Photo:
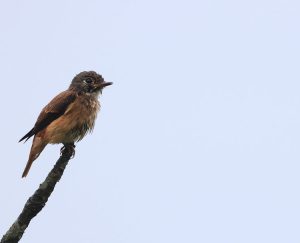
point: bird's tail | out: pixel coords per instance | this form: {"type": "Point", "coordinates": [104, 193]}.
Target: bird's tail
{"type": "Point", "coordinates": [36, 149]}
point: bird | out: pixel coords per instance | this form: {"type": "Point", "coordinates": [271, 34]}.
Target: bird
{"type": "Point", "coordinates": [68, 117]}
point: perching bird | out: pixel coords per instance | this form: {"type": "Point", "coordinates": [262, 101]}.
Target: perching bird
{"type": "Point", "coordinates": [68, 117]}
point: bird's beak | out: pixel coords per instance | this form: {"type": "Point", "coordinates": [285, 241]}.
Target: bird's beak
{"type": "Point", "coordinates": [104, 84]}
{"type": "Point", "coordinates": [100, 86]}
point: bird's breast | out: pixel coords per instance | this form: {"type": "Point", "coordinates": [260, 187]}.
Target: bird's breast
{"type": "Point", "coordinates": [74, 124]}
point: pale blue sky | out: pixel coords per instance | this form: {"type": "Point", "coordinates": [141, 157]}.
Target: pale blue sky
{"type": "Point", "coordinates": [198, 139]}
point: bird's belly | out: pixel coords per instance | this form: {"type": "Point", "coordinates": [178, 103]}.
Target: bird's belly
{"type": "Point", "coordinates": [72, 126]}
{"type": "Point", "coordinates": [66, 132]}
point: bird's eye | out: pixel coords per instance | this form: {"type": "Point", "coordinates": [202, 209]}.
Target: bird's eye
{"type": "Point", "coordinates": [88, 80]}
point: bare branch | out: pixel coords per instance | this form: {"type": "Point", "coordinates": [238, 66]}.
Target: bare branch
{"type": "Point", "coordinates": [38, 200]}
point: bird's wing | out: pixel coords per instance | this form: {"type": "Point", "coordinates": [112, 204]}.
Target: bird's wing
{"type": "Point", "coordinates": [57, 107]}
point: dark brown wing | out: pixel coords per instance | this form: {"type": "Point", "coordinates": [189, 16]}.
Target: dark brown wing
{"type": "Point", "coordinates": [57, 107]}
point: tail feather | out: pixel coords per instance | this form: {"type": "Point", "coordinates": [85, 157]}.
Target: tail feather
{"type": "Point", "coordinates": [36, 149]}
{"type": "Point", "coordinates": [27, 168]}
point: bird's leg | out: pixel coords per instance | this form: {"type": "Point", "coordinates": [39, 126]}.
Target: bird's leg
{"type": "Point", "coordinates": [68, 148]}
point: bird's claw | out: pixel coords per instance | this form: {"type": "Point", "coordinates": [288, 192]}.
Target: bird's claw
{"type": "Point", "coordinates": [68, 149]}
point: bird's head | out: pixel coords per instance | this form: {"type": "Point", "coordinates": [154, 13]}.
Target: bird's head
{"type": "Point", "coordinates": [88, 82]}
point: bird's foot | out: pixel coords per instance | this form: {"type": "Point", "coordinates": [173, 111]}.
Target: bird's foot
{"type": "Point", "coordinates": [68, 149]}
